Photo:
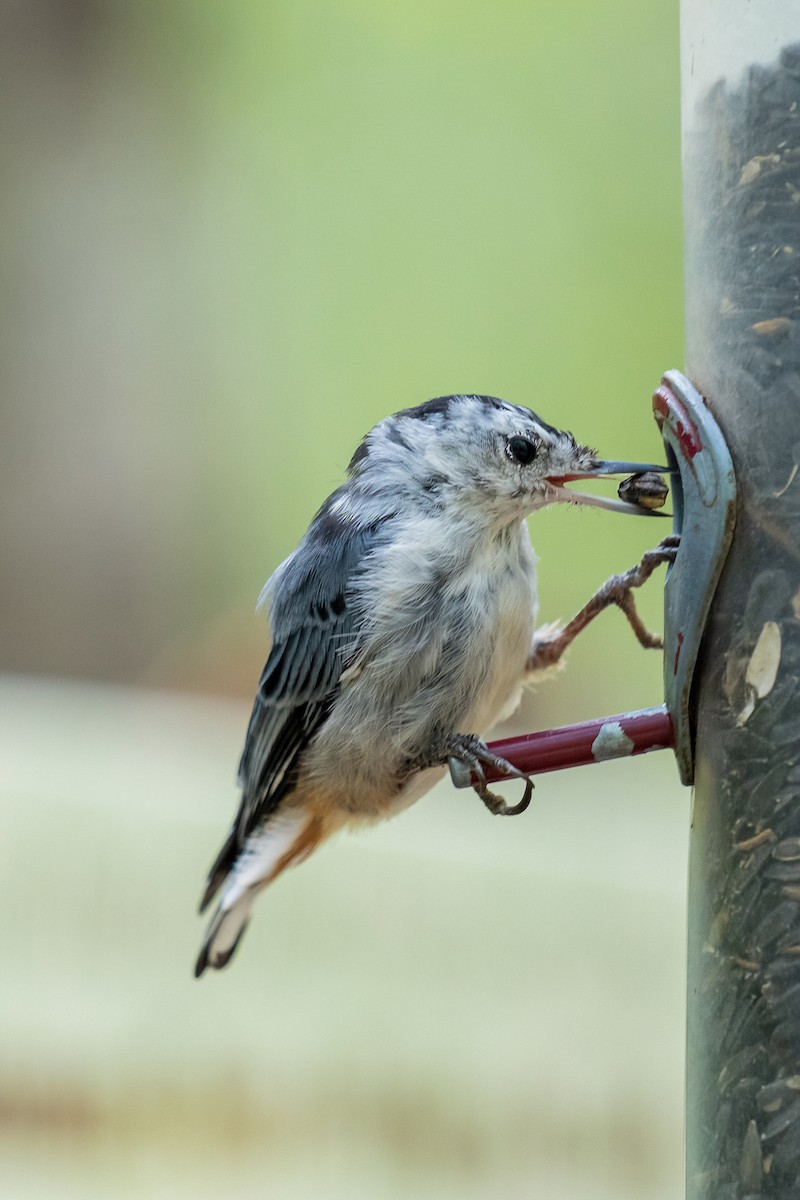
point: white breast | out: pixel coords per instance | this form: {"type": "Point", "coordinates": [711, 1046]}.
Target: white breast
{"type": "Point", "coordinates": [505, 590]}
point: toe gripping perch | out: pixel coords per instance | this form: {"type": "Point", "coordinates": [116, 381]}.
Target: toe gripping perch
{"type": "Point", "coordinates": [704, 503]}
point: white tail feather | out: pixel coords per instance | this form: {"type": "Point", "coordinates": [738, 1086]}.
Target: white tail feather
{"type": "Point", "coordinates": [262, 852]}
{"type": "Point", "coordinates": [225, 929]}
{"type": "Point", "coordinates": [257, 864]}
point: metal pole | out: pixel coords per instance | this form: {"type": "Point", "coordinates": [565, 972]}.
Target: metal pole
{"type": "Point", "coordinates": [741, 131]}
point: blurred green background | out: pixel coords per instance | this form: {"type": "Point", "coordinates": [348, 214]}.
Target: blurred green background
{"type": "Point", "coordinates": [233, 238]}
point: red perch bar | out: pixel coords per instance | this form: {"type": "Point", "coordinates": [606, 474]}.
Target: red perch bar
{"type": "Point", "coordinates": [590, 741]}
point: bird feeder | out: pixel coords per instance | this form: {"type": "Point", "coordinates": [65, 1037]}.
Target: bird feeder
{"type": "Point", "coordinates": [741, 171]}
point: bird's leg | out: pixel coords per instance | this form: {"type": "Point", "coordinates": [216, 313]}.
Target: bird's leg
{"type": "Point", "coordinates": [547, 650]}
{"type": "Point", "coordinates": [469, 749]}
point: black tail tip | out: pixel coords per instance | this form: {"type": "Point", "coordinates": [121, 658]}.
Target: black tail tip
{"type": "Point", "coordinates": [221, 960]}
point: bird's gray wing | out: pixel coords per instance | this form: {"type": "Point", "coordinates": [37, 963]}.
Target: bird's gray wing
{"type": "Point", "coordinates": [315, 638]}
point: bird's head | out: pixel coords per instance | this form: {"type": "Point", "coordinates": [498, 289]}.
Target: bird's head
{"type": "Point", "coordinates": [480, 454]}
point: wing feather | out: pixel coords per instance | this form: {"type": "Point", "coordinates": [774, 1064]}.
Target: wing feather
{"type": "Point", "coordinates": [314, 627]}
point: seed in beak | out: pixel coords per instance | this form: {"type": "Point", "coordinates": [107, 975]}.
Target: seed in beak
{"type": "Point", "coordinates": [645, 490]}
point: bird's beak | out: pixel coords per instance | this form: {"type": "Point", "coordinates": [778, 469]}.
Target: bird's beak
{"type": "Point", "coordinates": [598, 468]}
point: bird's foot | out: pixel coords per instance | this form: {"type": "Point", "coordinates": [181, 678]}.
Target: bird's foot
{"type": "Point", "coordinates": [471, 751]}
{"type": "Point", "coordinates": [619, 589]}
{"type": "Point", "coordinates": [548, 647]}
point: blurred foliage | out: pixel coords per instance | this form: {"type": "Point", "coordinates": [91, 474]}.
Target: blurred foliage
{"type": "Point", "coordinates": [236, 236]}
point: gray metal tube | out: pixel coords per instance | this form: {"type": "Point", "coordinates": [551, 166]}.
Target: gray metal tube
{"type": "Point", "coordinates": [741, 129]}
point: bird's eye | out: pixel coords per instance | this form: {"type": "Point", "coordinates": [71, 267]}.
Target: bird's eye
{"type": "Point", "coordinates": [520, 450]}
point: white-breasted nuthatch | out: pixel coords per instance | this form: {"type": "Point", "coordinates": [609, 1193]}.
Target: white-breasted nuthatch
{"type": "Point", "coordinates": [402, 628]}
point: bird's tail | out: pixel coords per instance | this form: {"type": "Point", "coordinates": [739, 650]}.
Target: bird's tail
{"type": "Point", "coordinates": [288, 837]}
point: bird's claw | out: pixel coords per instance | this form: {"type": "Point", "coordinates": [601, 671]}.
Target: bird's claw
{"type": "Point", "coordinates": [665, 552]}
{"type": "Point", "coordinates": [497, 805]}
{"type": "Point", "coordinates": [474, 753]}
{"type": "Point", "coordinates": [619, 589]}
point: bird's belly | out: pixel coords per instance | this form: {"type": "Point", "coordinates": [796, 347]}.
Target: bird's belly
{"type": "Point", "coordinates": [499, 696]}
{"type": "Point", "coordinates": [506, 633]}
{"type": "Point", "coordinates": [490, 692]}
{"type": "Point", "coordinates": [396, 711]}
